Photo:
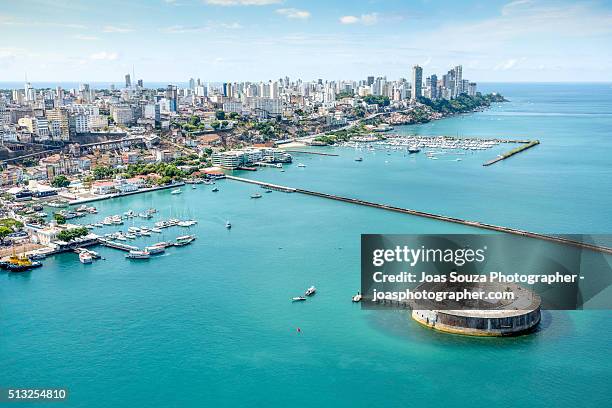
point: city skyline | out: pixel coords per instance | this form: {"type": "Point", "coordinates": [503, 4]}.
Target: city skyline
{"type": "Point", "coordinates": [241, 40]}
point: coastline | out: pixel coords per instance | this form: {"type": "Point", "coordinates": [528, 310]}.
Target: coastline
{"type": "Point", "coordinates": [116, 195]}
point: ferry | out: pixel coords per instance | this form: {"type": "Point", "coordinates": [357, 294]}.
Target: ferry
{"type": "Point", "coordinates": [228, 225]}
{"type": "Point", "coordinates": [256, 195]}
{"type": "Point", "coordinates": [184, 240]}
{"type": "Point", "coordinates": [134, 254]}
{"type": "Point", "coordinates": [310, 291]}
{"type": "Point", "coordinates": [156, 249]}
{"type": "Point", "coordinates": [298, 299]}
{"type": "Point", "coordinates": [85, 257]}
{"type": "Point", "coordinates": [176, 191]}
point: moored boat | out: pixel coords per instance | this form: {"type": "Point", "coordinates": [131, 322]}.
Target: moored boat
{"type": "Point", "coordinates": [135, 254]}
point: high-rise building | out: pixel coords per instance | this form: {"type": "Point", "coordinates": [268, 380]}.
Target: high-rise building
{"type": "Point", "coordinates": [140, 84]}
{"type": "Point", "coordinates": [459, 80]}
{"type": "Point", "coordinates": [192, 84]}
{"type": "Point", "coordinates": [172, 96]}
{"type": "Point", "coordinates": [433, 86]}
{"type": "Point", "coordinates": [417, 82]}
{"type": "Point", "coordinates": [370, 80]}
{"type": "Point", "coordinates": [128, 81]}
{"type": "Point", "coordinates": [30, 94]}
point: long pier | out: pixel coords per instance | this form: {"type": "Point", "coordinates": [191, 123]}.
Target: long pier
{"type": "Point", "coordinates": [475, 224]}
{"type": "Point", "coordinates": [317, 153]}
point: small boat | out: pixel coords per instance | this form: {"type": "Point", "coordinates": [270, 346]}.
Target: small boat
{"type": "Point", "coordinates": [359, 159]}
{"type": "Point", "coordinates": [120, 237]}
{"type": "Point", "coordinates": [98, 225]}
{"type": "Point", "coordinates": [156, 230]}
{"type": "Point", "coordinates": [176, 191]}
{"type": "Point", "coordinates": [228, 225]}
{"type": "Point", "coordinates": [193, 187]}
{"type": "Point", "coordinates": [184, 240]}
{"type": "Point", "coordinates": [130, 236]}
{"type": "Point", "coordinates": [268, 191]}
{"type": "Point", "coordinates": [145, 233]}
{"type": "Point", "coordinates": [214, 190]}
{"type": "Point", "coordinates": [35, 257]}
{"type": "Point", "coordinates": [310, 291]}
{"type": "Point", "coordinates": [357, 298]}
{"type": "Point", "coordinates": [155, 249]}
{"type": "Point", "coordinates": [85, 257]}
{"type": "Point", "coordinates": [301, 165]}
{"type": "Point", "coordinates": [134, 254]}
{"type": "Point", "coordinates": [298, 299]}
{"type": "Point", "coordinates": [145, 214]}
{"type": "Point", "coordinates": [256, 195]}
{"type": "Point", "coordinates": [133, 229]}
{"type": "Point", "coordinates": [413, 149]}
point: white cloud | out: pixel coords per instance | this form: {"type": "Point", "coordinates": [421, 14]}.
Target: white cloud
{"type": "Point", "coordinates": [180, 29]}
{"type": "Point", "coordinates": [86, 37]}
{"type": "Point", "coordinates": [294, 13]}
{"type": "Point", "coordinates": [242, 2]}
{"type": "Point", "coordinates": [116, 29]}
{"type": "Point", "coordinates": [104, 56]}
{"type": "Point", "coordinates": [365, 19]}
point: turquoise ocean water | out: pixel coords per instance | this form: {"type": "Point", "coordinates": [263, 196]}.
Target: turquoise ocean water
{"type": "Point", "coordinates": [212, 325]}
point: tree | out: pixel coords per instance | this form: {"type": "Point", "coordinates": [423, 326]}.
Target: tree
{"type": "Point", "coordinates": [102, 172]}
{"type": "Point", "coordinates": [216, 125]}
{"type": "Point", "coordinates": [4, 231]}
{"type": "Point", "coordinates": [220, 115]}
{"type": "Point", "coordinates": [59, 218]}
{"type": "Point", "coordinates": [60, 181]}
{"type": "Point", "coordinates": [71, 234]}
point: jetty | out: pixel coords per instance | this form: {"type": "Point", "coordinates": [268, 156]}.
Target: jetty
{"type": "Point", "coordinates": [475, 224]}
{"type": "Point", "coordinates": [512, 152]}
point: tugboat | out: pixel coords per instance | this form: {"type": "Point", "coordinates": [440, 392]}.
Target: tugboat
{"type": "Point", "coordinates": [310, 291]}
{"type": "Point", "coordinates": [20, 263]}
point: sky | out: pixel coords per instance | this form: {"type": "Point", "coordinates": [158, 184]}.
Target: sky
{"type": "Point", "coordinates": [240, 40]}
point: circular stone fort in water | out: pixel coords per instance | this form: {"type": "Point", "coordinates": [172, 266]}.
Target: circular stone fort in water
{"type": "Point", "coordinates": [481, 318]}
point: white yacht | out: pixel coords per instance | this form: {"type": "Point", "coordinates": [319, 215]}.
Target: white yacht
{"type": "Point", "coordinates": [176, 191]}
{"type": "Point", "coordinates": [310, 291]}
{"type": "Point", "coordinates": [85, 257]}
{"type": "Point", "coordinates": [138, 254]}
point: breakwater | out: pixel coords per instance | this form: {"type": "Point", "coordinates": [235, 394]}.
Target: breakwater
{"type": "Point", "coordinates": [512, 152]}
{"type": "Point", "coordinates": [475, 224]}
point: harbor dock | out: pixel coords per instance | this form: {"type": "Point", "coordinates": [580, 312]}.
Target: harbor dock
{"type": "Point", "coordinates": [475, 224]}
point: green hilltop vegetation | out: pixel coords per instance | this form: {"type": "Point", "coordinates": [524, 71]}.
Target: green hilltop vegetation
{"type": "Point", "coordinates": [462, 103]}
